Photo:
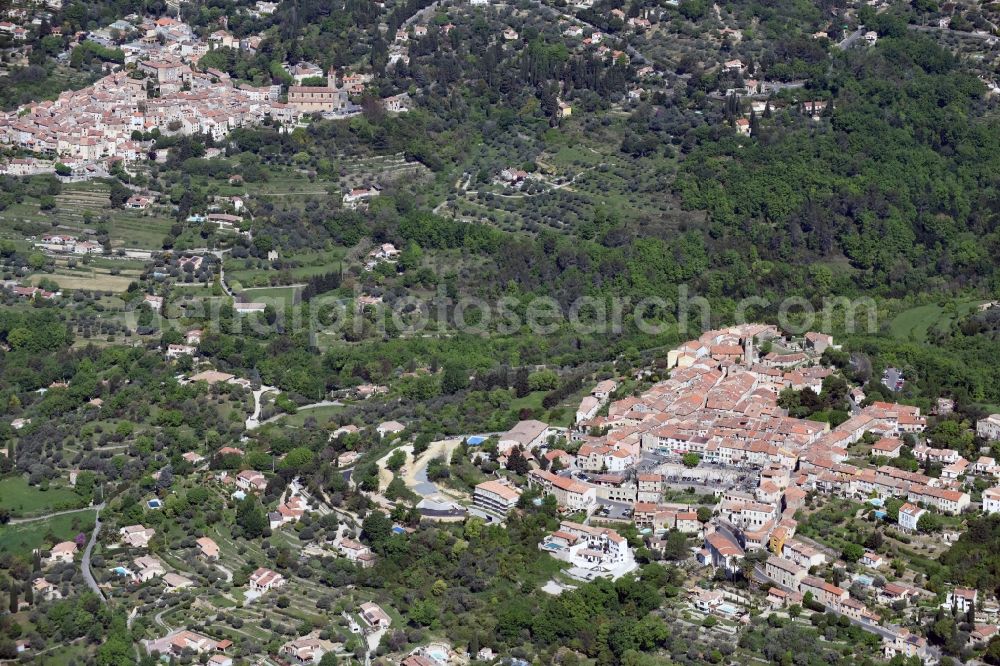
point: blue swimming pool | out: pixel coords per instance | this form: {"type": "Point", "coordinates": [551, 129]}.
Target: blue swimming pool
{"type": "Point", "coordinates": [438, 655]}
{"type": "Point", "coordinates": [728, 609]}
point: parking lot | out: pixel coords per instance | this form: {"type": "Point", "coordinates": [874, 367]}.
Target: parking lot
{"type": "Point", "coordinates": [609, 510]}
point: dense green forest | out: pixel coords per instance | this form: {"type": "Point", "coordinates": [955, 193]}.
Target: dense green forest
{"type": "Point", "coordinates": [902, 182]}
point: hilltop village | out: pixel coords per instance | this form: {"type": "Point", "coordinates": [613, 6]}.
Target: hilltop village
{"type": "Point", "coordinates": [717, 423]}
{"type": "Point", "coordinates": [162, 91]}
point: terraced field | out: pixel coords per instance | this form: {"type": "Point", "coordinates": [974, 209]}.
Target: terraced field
{"type": "Point", "coordinates": [133, 229]}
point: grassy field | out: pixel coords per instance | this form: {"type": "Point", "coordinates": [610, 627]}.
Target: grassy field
{"type": "Point", "coordinates": [24, 500]}
{"type": "Point", "coordinates": [93, 277]}
{"type": "Point", "coordinates": [321, 414]}
{"type": "Point", "coordinates": [307, 265]}
{"type": "Point", "coordinates": [277, 296]}
{"type": "Point", "coordinates": [532, 401]}
{"type": "Point", "coordinates": [23, 538]}
{"type": "Point", "coordinates": [915, 323]}
{"type": "Point", "coordinates": [562, 414]}
{"type": "Point", "coordinates": [64, 655]}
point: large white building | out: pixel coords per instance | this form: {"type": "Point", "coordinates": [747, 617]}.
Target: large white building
{"type": "Point", "coordinates": [588, 408]}
{"type": "Point", "coordinates": [909, 516]}
{"type": "Point", "coordinates": [598, 549]}
{"type": "Point", "coordinates": [526, 434]}
{"type": "Point", "coordinates": [991, 500]}
{"type": "Point", "coordinates": [962, 599]}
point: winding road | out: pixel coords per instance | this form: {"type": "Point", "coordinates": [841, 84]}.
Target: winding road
{"type": "Point", "coordinates": [848, 41]}
{"type": "Point", "coordinates": [158, 619]}
{"type": "Point", "coordinates": [88, 575]}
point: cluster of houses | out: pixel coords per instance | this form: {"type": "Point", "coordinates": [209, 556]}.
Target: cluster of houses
{"type": "Point", "coordinates": [599, 396]}
{"type": "Point", "coordinates": [97, 123]}
{"type": "Point", "coordinates": [167, 91]}
{"type": "Point", "coordinates": [720, 403]}
{"type": "Point", "coordinates": [183, 642]}
{"type": "Point", "coordinates": [148, 567]}
{"type": "Point", "coordinates": [43, 589]}
{"type": "Point", "coordinates": [29, 292]}
{"type": "Point", "coordinates": [63, 244]}
{"type": "Point", "coordinates": [287, 512]}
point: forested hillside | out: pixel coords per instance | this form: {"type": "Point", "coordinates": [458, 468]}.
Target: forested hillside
{"type": "Point", "coordinates": [902, 182]}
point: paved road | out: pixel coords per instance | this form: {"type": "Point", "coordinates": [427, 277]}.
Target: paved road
{"type": "Point", "coordinates": [429, 9]}
{"type": "Point", "coordinates": [417, 479]}
{"type": "Point", "coordinates": [848, 41]}
{"type": "Point", "coordinates": [222, 271]}
{"type": "Point", "coordinates": [158, 619]}
{"type": "Point", "coordinates": [88, 575]}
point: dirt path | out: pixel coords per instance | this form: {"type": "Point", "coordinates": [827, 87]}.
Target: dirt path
{"type": "Point", "coordinates": [303, 408]}
{"type": "Point", "coordinates": [31, 519]}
